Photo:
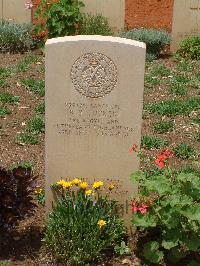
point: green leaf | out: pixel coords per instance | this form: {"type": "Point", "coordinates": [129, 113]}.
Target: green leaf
{"type": "Point", "coordinates": [146, 220]}
{"type": "Point", "coordinates": [152, 252]}
{"type": "Point", "coordinates": [176, 254]}
{"type": "Point", "coordinates": [168, 244]}
{"type": "Point", "coordinates": [137, 176]}
{"type": "Point", "coordinates": [192, 212]}
{"type": "Point", "coordinates": [193, 263]}
{"type": "Point", "coordinates": [193, 243]}
{"type": "Point", "coordinates": [171, 238]}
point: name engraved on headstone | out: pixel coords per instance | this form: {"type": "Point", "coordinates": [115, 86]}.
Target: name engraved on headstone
{"type": "Point", "coordinates": [99, 119]}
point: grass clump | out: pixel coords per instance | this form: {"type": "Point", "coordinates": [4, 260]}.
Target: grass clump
{"type": "Point", "coordinates": [95, 25]}
{"type": "Point", "coordinates": [179, 90]}
{"type": "Point", "coordinates": [151, 81]}
{"type": "Point", "coordinates": [174, 107]}
{"type": "Point", "coordinates": [15, 37]}
{"type": "Point", "coordinates": [40, 109]}
{"type": "Point", "coordinates": [4, 111]}
{"type": "Point", "coordinates": [25, 63]}
{"type": "Point", "coordinates": [6, 97]}
{"type": "Point", "coordinates": [184, 65]}
{"type": "Point", "coordinates": [160, 70]}
{"type": "Point", "coordinates": [150, 142]}
{"type": "Point", "coordinates": [184, 151]}
{"type": "Point", "coordinates": [180, 79]}
{"type": "Point", "coordinates": [36, 125]}
{"type": "Point", "coordinates": [31, 135]}
{"type": "Point", "coordinates": [36, 86]}
{"type": "Point", "coordinates": [5, 72]}
{"type": "Point", "coordinates": [196, 120]}
{"type": "Point", "coordinates": [163, 127]}
{"type": "Point", "coordinates": [3, 83]}
{"type": "Point", "coordinates": [27, 138]}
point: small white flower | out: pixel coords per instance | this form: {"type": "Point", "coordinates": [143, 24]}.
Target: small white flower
{"type": "Point", "coordinates": [28, 5]}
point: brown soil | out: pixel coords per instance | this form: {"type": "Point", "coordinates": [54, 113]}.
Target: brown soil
{"type": "Point", "coordinates": [23, 245]}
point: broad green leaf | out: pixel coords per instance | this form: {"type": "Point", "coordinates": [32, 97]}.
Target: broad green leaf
{"type": "Point", "coordinates": [137, 176]}
{"type": "Point", "coordinates": [146, 220]}
{"type": "Point", "coordinates": [168, 244]}
{"type": "Point", "coordinates": [152, 252]}
{"type": "Point", "coordinates": [192, 212]}
{"type": "Point", "coordinates": [193, 243]}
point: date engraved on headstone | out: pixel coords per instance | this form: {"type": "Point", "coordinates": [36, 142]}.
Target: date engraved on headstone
{"type": "Point", "coordinates": [94, 75]}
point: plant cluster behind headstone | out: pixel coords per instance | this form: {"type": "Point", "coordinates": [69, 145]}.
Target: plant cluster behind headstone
{"type": "Point", "coordinates": [156, 40]}
{"type": "Point", "coordinates": [15, 37]}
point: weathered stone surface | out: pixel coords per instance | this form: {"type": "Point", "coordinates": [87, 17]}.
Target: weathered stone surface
{"type": "Point", "coordinates": [15, 10]}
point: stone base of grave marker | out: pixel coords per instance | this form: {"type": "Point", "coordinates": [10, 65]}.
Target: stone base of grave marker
{"type": "Point", "coordinates": [94, 101]}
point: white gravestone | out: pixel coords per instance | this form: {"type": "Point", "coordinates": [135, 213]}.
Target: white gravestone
{"type": "Point", "coordinates": [94, 101]}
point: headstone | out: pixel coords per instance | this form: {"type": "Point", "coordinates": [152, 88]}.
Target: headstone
{"type": "Point", "coordinates": [94, 100]}
{"type": "Point", "coordinates": [186, 21]}
{"type": "Point", "coordinates": [15, 10]}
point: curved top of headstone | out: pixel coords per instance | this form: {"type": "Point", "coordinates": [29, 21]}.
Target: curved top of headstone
{"type": "Point", "coordinates": [95, 38]}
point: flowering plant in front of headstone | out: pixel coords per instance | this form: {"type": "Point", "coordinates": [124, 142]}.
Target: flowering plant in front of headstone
{"type": "Point", "coordinates": [167, 210]}
{"type": "Point", "coordinates": [84, 223]}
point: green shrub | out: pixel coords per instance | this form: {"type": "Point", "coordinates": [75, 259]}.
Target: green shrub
{"type": "Point", "coordinates": [190, 48]}
{"type": "Point", "coordinates": [155, 40]}
{"type": "Point", "coordinates": [62, 17]}
{"type": "Point", "coordinates": [83, 224]}
{"type": "Point", "coordinates": [95, 25]}
{"type": "Point", "coordinates": [167, 210]}
{"type": "Point", "coordinates": [15, 37]}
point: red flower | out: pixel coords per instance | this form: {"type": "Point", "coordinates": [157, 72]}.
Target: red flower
{"type": "Point", "coordinates": [160, 163]}
{"type": "Point", "coordinates": [161, 158]}
{"type": "Point", "coordinates": [133, 148]}
{"type": "Point", "coordinates": [168, 153]}
{"type": "Point", "coordinates": [134, 206]}
{"type": "Point", "coordinates": [143, 208]}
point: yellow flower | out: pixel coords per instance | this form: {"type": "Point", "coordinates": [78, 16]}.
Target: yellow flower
{"type": "Point", "coordinates": [61, 182]}
{"type": "Point", "coordinates": [97, 184]}
{"type": "Point", "coordinates": [83, 185]}
{"type": "Point", "coordinates": [76, 181]}
{"type": "Point", "coordinates": [101, 223]}
{"type": "Point", "coordinates": [88, 192]}
{"type": "Point", "coordinates": [38, 191]}
{"type": "Point", "coordinates": [111, 186]}
{"type": "Point", "coordinates": [64, 184]}
{"type": "Point", "coordinates": [67, 185]}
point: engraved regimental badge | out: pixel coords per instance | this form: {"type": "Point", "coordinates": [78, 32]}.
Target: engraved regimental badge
{"type": "Point", "coordinates": [94, 75]}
